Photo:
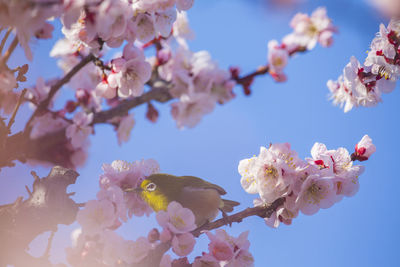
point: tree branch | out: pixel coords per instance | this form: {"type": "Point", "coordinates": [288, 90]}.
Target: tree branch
{"type": "Point", "coordinates": [21, 221]}
{"type": "Point", "coordinates": [159, 92]}
{"type": "Point", "coordinates": [264, 211]}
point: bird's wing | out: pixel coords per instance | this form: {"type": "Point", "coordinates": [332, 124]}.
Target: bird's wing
{"type": "Point", "coordinates": [200, 183]}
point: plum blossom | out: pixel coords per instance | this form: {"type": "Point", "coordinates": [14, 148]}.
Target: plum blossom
{"type": "Point", "coordinates": [124, 128]}
{"type": "Point", "coordinates": [228, 250]}
{"type": "Point", "coordinates": [197, 82]}
{"type": "Point", "coordinates": [310, 30]}
{"type": "Point", "coordinates": [363, 84]}
{"type": "Point", "coordinates": [177, 219]}
{"type": "Point", "coordinates": [28, 19]}
{"type": "Point", "coordinates": [127, 175]}
{"type": "Point", "coordinates": [96, 216]}
{"type": "Point", "coordinates": [80, 129]}
{"type": "Point", "coordinates": [183, 244]}
{"type": "Point", "coordinates": [39, 92]}
{"type": "Point", "coordinates": [316, 192]}
{"type": "Point", "coordinates": [278, 57]}
{"type": "Point", "coordinates": [129, 72]}
{"type": "Point", "coordinates": [364, 149]}
{"type": "Point", "coordinates": [307, 186]}
{"type": "Point", "coordinates": [47, 123]}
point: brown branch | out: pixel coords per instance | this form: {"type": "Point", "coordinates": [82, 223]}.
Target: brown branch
{"type": "Point", "coordinates": [12, 120]}
{"type": "Point", "coordinates": [47, 206]}
{"type": "Point", "coordinates": [66, 79]}
{"type": "Point", "coordinates": [3, 41]}
{"type": "Point", "coordinates": [9, 51]}
{"type": "Point", "coordinates": [264, 211]}
{"type": "Point", "coordinates": [159, 92]}
{"type": "Point", "coordinates": [54, 88]}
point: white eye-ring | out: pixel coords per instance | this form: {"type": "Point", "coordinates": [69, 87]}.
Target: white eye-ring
{"type": "Point", "coordinates": [151, 187]}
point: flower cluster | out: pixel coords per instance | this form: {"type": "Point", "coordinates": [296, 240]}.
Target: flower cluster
{"type": "Point", "coordinates": [363, 85]}
{"type": "Point", "coordinates": [307, 185]}
{"type": "Point", "coordinates": [307, 31]}
{"type": "Point", "coordinates": [197, 82]}
{"type": "Point", "coordinates": [224, 250]}
{"type": "Point", "coordinates": [28, 18]}
{"type": "Point", "coordinates": [92, 23]}
{"type": "Point", "coordinates": [97, 244]}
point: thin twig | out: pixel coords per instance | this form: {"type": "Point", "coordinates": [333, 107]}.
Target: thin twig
{"type": "Point", "coordinates": [3, 42]}
{"type": "Point", "coordinates": [10, 50]}
{"type": "Point", "coordinates": [12, 120]}
{"type": "Point", "coordinates": [28, 190]}
{"type": "Point", "coordinates": [66, 79]}
{"type": "Point", "coordinates": [50, 241]}
{"type": "Point", "coordinates": [54, 88]}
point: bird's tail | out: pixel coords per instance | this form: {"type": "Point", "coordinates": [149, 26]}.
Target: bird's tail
{"type": "Point", "coordinates": [228, 205]}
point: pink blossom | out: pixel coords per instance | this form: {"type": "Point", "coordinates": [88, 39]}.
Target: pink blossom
{"type": "Point", "coordinates": [177, 219]}
{"type": "Point", "coordinates": [96, 216]}
{"type": "Point", "coordinates": [229, 250]}
{"type": "Point", "coordinates": [42, 125]}
{"type": "Point", "coordinates": [112, 17]}
{"type": "Point", "coordinates": [165, 235]}
{"type": "Point", "coordinates": [184, 4]}
{"type": "Point", "coordinates": [183, 244]}
{"type": "Point", "coordinates": [104, 89]}
{"type": "Point", "coordinates": [309, 30]}
{"type": "Point", "coordinates": [39, 92]}
{"type": "Point", "coordinates": [166, 261]}
{"type": "Point", "coordinates": [191, 108]}
{"type": "Point", "coordinates": [116, 196]}
{"type": "Point", "coordinates": [80, 129]}
{"type": "Point", "coordinates": [278, 56]}
{"type": "Point", "coordinates": [365, 148]}
{"type": "Point", "coordinates": [316, 192]}
{"type": "Point", "coordinates": [181, 28]}
{"type": "Point", "coordinates": [145, 29]}
{"type": "Point", "coordinates": [137, 251]}
{"type": "Point", "coordinates": [124, 128]}
{"type": "Point", "coordinates": [132, 72]}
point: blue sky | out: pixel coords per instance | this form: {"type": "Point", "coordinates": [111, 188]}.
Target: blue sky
{"type": "Point", "coordinates": [358, 231]}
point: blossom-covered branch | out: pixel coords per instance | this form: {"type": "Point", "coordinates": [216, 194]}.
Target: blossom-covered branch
{"type": "Point", "coordinates": [363, 84]}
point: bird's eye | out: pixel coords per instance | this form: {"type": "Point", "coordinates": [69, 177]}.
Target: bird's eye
{"type": "Point", "coordinates": [151, 187]}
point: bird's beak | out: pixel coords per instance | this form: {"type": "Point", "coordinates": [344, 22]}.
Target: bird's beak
{"type": "Point", "coordinates": [133, 189]}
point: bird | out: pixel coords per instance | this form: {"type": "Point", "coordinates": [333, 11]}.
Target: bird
{"type": "Point", "coordinates": [201, 197]}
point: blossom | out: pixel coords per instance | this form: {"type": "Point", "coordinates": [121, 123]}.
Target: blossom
{"type": "Point", "coordinates": [183, 244]}
{"type": "Point", "coordinates": [176, 218]}
{"type": "Point", "coordinates": [310, 30]}
{"type": "Point", "coordinates": [96, 216]}
{"type": "Point", "coordinates": [365, 148]}
{"type": "Point", "coordinates": [316, 192]}
{"type": "Point", "coordinates": [80, 129]}
{"type": "Point", "coordinates": [228, 250]}
{"type": "Point", "coordinates": [130, 72]}
{"type": "Point", "coordinates": [278, 56]}
{"type": "Point", "coordinates": [363, 84]}
{"type": "Point", "coordinates": [124, 128]}
{"type": "Point", "coordinates": [127, 175]}
{"type": "Point", "coordinates": [39, 92]}
{"type": "Point", "coordinates": [191, 108]}
{"type": "Point", "coordinates": [47, 123]}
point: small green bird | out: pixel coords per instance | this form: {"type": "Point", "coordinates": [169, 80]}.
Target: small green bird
{"type": "Point", "coordinates": [201, 197]}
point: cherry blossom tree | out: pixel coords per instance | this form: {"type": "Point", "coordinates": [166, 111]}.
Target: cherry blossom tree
{"type": "Point", "coordinates": [119, 55]}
